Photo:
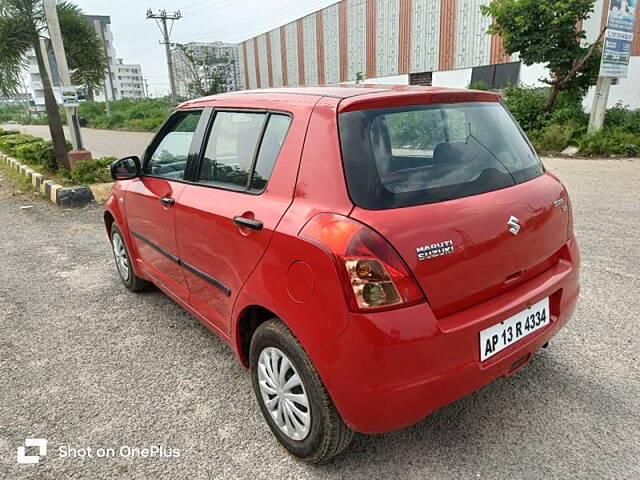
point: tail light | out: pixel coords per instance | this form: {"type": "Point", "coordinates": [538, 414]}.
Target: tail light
{"type": "Point", "coordinates": [373, 275]}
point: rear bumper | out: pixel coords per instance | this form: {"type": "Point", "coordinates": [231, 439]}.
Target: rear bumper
{"type": "Point", "coordinates": [389, 370]}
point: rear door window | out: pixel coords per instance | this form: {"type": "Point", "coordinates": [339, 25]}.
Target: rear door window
{"type": "Point", "coordinates": [398, 157]}
{"type": "Point", "coordinates": [230, 149]}
{"type": "Point", "coordinates": [242, 149]}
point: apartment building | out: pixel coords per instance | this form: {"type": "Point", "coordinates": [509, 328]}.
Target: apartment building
{"type": "Point", "coordinates": [201, 51]}
{"type": "Point", "coordinates": [121, 80]}
{"type": "Point", "coordinates": [129, 80]}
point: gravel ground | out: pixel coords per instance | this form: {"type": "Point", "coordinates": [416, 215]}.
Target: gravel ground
{"type": "Point", "coordinates": [85, 363]}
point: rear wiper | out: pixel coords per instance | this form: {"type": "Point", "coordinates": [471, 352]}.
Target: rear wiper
{"type": "Point", "coordinates": [490, 153]}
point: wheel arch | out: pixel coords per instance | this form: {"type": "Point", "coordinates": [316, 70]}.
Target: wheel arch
{"type": "Point", "coordinates": [108, 221]}
{"type": "Point", "coordinates": [248, 321]}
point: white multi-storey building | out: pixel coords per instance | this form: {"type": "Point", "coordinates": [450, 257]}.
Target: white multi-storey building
{"type": "Point", "coordinates": [200, 50]}
{"type": "Point", "coordinates": [129, 79]}
{"type": "Point", "coordinates": [121, 80]}
{"type": "Point", "coordinates": [102, 25]}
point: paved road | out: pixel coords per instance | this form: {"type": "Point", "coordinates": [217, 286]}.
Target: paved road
{"type": "Point", "coordinates": [83, 362]}
{"type": "Point", "coordinates": [101, 143]}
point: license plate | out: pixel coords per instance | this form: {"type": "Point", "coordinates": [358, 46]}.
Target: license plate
{"type": "Point", "coordinates": [498, 337]}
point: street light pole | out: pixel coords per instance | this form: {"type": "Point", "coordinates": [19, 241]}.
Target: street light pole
{"type": "Point", "coordinates": [161, 19]}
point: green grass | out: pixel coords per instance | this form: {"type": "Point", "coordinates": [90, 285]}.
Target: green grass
{"type": "Point", "coordinates": [19, 181]}
{"type": "Point", "coordinates": [144, 115]}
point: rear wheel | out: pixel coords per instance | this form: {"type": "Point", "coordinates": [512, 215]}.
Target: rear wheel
{"type": "Point", "coordinates": [123, 262]}
{"type": "Point", "coordinates": [292, 398]}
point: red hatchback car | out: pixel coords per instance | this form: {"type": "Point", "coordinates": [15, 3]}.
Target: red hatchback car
{"type": "Point", "coordinates": [370, 253]}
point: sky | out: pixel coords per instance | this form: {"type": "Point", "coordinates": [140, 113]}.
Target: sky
{"type": "Point", "coordinates": [136, 39]}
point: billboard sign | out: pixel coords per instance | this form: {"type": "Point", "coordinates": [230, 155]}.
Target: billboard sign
{"type": "Point", "coordinates": [619, 38]}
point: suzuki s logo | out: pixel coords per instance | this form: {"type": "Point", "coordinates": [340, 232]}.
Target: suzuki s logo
{"type": "Point", "coordinates": [514, 224]}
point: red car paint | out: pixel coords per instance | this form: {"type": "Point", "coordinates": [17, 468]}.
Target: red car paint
{"type": "Point", "coordinates": [385, 369]}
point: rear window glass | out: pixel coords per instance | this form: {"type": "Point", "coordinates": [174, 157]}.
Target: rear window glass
{"type": "Point", "coordinates": [399, 157]}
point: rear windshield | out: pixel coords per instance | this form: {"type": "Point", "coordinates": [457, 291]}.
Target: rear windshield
{"type": "Point", "coordinates": [400, 157]}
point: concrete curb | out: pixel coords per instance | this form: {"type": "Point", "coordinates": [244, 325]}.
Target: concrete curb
{"type": "Point", "coordinates": [54, 192]}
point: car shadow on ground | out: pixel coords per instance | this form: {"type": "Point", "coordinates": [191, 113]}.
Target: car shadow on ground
{"type": "Point", "coordinates": [493, 422]}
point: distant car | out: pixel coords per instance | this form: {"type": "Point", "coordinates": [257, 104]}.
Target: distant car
{"type": "Point", "coordinates": [370, 253]}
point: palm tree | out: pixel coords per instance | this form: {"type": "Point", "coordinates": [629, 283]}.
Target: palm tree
{"type": "Point", "coordinates": [22, 25]}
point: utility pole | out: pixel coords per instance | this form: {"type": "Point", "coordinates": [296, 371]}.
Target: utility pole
{"type": "Point", "coordinates": [616, 52]}
{"type": "Point", "coordinates": [599, 108]}
{"type": "Point", "coordinates": [25, 92]}
{"type": "Point", "coordinates": [97, 25]}
{"type": "Point", "coordinates": [63, 71]}
{"type": "Point", "coordinates": [161, 19]}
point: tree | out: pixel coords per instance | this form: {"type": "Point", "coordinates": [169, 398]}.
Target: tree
{"type": "Point", "coordinates": [22, 27]}
{"type": "Point", "coordinates": [546, 31]}
{"type": "Point", "coordinates": [85, 52]}
{"type": "Point", "coordinates": [208, 74]}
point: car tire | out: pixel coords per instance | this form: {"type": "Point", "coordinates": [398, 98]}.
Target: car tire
{"type": "Point", "coordinates": [123, 262]}
{"type": "Point", "coordinates": [324, 435]}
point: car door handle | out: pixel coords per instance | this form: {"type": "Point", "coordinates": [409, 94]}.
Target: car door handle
{"type": "Point", "coordinates": [248, 223]}
{"type": "Point", "coordinates": [168, 201]}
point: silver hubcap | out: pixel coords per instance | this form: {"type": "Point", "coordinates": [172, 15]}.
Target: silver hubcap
{"type": "Point", "coordinates": [283, 393]}
{"type": "Point", "coordinates": [122, 261]}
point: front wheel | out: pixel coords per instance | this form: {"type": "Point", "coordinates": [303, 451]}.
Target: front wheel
{"type": "Point", "coordinates": [123, 262]}
{"type": "Point", "coordinates": [292, 398]}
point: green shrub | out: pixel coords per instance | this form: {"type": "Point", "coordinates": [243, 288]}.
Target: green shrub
{"type": "Point", "coordinates": [610, 142]}
{"type": "Point", "coordinates": [554, 138]}
{"type": "Point", "coordinates": [10, 112]}
{"type": "Point", "coordinates": [144, 124]}
{"type": "Point", "coordinates": [29, 151]}
{"type": "Point", "coordinates": [7, 132]}
{"type": "Point", "coordinates": [525, 104]}
{"type": "Point", "coordinates": [620, 117]}
{"type": "Point", "coordinates": [9, 143]}
{"type": "Point", "coordinates": [143, 114]}
{"type": "Point", "coordinates": [39, 120]}
{"type": "Point", "coordinates": [87, 172]}
{"type": "Point", "coordinates": [568, 110]}
{"type": "Point", "coordinates": [479, 85]}
{"type": "Point", "coordinates": [47, 157]}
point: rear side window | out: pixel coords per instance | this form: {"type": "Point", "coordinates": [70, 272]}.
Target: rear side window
{"type": "Point", "coordinates": [270, 147]}
{"type": "Point", "coordinates": [242, 149]}
{"type": "Point", "coordinates": [399, 157]}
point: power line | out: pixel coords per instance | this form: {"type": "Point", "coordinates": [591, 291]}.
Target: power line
{"type": "Point", "coordinates": [161, 19]}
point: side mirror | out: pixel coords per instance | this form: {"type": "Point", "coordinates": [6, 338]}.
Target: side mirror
{"type": "Point", "coordinates": [125, 168]}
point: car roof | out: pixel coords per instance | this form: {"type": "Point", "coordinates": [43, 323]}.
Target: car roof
{"type": "Point", "coordinates": [352, 96]}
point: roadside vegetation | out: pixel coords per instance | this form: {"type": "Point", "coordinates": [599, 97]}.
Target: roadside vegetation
{"type": "Point", "coordinates": [20, 181]}
{"type": "Point", "coordinates": [553, 117]}
{"type": "Point", "coordinates": [566, 124]}
{"type": "Point", "coordinates": [39, 155]}
{"type": "Point", "coordinates": [22, 25]}
{"type": "Point", "coordinates": [143, 115]}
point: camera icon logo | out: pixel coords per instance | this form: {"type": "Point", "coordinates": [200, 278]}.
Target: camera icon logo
{"type": "Point", "coordinates": [41, 443]}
